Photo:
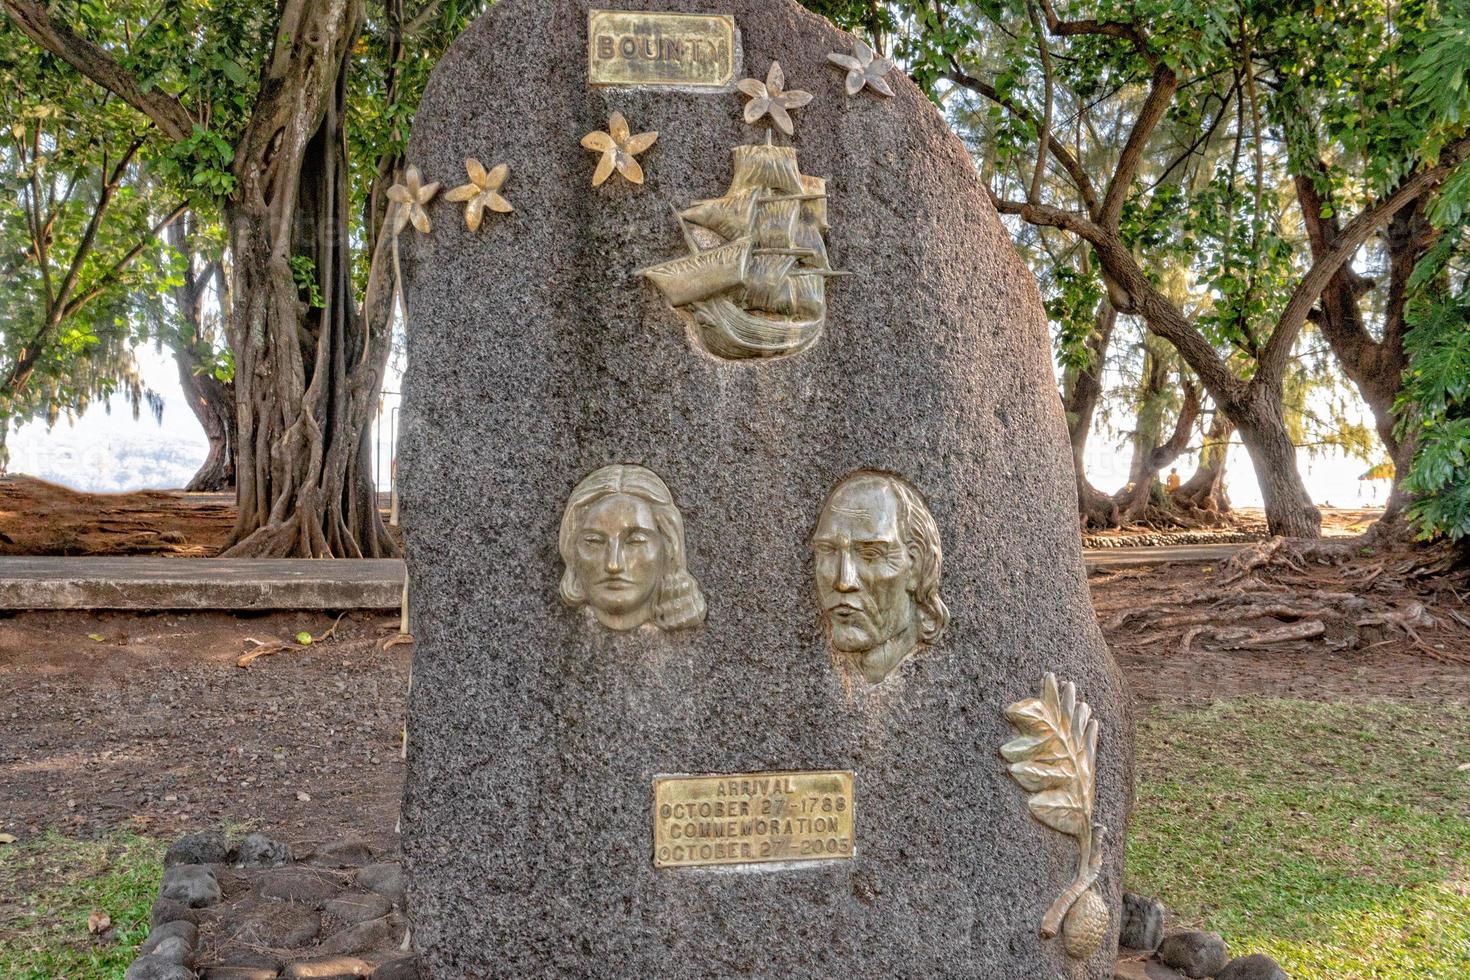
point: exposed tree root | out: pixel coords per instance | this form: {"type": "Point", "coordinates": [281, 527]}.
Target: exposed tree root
{"type": "Point", "coordinates": [1332, 595]}
{"type": "Point", "coordinates": [1245, 638]}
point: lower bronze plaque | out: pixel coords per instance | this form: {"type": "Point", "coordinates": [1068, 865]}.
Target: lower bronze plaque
{"type": "Point", "coordinates": [748, 817]}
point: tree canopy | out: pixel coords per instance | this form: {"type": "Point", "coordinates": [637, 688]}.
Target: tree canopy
{"type": "Point", "coordinates": [1240, 212]}
{"type": "Point", "coordinates": [81, 263]}
{"type": "Point", "coordinates": [283, 126]}
{"type": "Point", "coordinates": [1252, 182]}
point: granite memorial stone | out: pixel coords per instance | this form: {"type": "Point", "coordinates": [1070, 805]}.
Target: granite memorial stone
{"type": "Point", "coordinates": [739, 527]}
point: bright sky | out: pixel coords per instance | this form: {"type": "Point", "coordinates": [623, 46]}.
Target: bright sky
{"type": "Point", "coordinates": [114, 452]}
{"type": "Point", "coordinates": [105, 452]}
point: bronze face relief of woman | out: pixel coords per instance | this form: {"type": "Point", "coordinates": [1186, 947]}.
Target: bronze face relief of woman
{"type": "Point", "coordinates": [622, 539]}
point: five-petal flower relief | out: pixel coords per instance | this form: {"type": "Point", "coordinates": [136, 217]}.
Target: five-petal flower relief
{"type": "Point", "coordinates": [411, 196]}
{"type": "Point", "coordinates": [864, 69]}
{"type": "Point", "coordinates": [618, 147]}
{"type": "Point", "coordinates": [483, 191]}
{"type": "Point", "coordinates": [771, 97]}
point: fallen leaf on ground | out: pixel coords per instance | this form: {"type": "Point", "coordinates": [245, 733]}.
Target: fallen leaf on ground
{"type": "Point", "coordinates": [303, 797]}
{"type": "Point", "coordinates": [394, 641]}
{"type": "Point", "coordinates": [96, 637]}
{"type": "Point", "coordinates": [98, 921]}
{"type": "Point", "coordinates": [7, 838]}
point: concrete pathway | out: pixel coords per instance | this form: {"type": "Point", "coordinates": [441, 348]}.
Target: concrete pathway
{"type": "Point", "coordinates": [1110, 558]}
{"type": "Point", "coordinates": [199, 583]}
{"type": "Point", "coordinates": [252, 583]}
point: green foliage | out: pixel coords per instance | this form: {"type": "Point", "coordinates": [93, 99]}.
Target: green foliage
{"type": "Point", "coordinates": [64, 346]}
{"type": "Point", "coordinates": [303, 270]}
{"type": "Point", "coordinates": [205, 53]}
{"type": "Point", "coordinates": [199, 166]}
{"type": "Point", "coordinates": [1434, 406]}
{"type": "Point", "coordinates": [1072, 307]}
{"type": "Point", "coordinates": [1348, 95]}
{"type": "Point", "coordinates": [1329, 836]}
{"type": "Point", "coordinates": [1438, 80]}
{"type": "Point", "coordinates": [389, 69]}
{"type": "Point", "coordinates": [209, 55]}
{"type": "Point", "coordinates": [222, 366]}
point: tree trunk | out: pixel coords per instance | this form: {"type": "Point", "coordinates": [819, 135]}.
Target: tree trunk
{"type": "Point", "coordinates": [1099, 510]}
{"type": "Point", "coordinates": [211, 400]}
{"type": "Point", "coordinates": [1289, 508]}
{"type": "Point", "coordinates": [1084, 388]}
{"type": "Point", "coordinates": [1151, 456]}
{"type": "Point", "coordinates": [1254, 406]}
{"type": "Point", "coordinates": [1205, 490]}
{"type": "Point", "coordinates": [1409, 236]}
{"type": "Point", "coordinates": [1376, 367]}
{"type": "Point", "coordinates": [308, 366]}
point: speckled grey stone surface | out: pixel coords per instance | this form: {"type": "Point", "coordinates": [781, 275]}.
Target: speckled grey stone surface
{"type": "Point", "coordinates": [536, 356]}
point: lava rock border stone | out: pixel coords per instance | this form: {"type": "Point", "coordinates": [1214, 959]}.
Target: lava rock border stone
{"type": "Point", "coordinates": [1195, 954]}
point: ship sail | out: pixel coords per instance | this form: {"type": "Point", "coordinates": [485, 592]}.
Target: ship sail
{"type": "Point", "coordinates": [775, 223]}
{"type": "Point", "coordinates": [754, 278]}
{"type": "Point", "coordinates": [702, 274]}
{"type": "Point", "coordinates": [728, 217]}
{"type": "Point", "coordinates": [770, 167]}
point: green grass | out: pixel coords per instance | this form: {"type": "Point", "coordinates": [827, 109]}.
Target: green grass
{"type": "Point", "coordinates": [1333, 837]}
{"type": "Point", "coordinates": [52, 883]}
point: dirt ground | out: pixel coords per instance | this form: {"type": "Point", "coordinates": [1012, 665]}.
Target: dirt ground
{"type": "Point", "coordinates": [1379, 662]}
{"type": "Point", "coordinates": [144, 721]}
{"type": "Point", "coordinates": [40, 518]}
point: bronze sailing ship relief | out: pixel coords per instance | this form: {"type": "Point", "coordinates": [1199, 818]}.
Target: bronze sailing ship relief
{"type": "Point", "coordinates": [755, 278]}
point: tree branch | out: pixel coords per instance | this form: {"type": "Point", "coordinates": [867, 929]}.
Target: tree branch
{"type": "Point", "coordinates": [1062, 155]}
{"type": "Point", "coordinates": [1130, 292]}
{"type": "Point", "coordinates": [1162, 455]}
{"type": "Point", "coordinates": [1160, 94]}
{"type": "Point", "coordinates": [1341, 321]}
{"type": "Point", "coordinates": [1045, 139]}
{"type": "Point", "coordinates": [1275, 355]}
{"type": "Point", "coordinates": [166, 112]}
{"type": "Point", "coordinates": [121, 265]}
{"type": "Point", "coordinates": [422, 18]}
{"type": "Point", "coordinates": [1102, 28]}
{"type": "Point", "coordinates": [89, 236]}
{"type": "Point", "coordinates": [1198, 141]}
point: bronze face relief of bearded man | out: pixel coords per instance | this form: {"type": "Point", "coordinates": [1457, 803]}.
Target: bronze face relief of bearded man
{"type": "Point", "coordinates": [877, 561]}
{"type": "Point", "coordinates": [622, 539]}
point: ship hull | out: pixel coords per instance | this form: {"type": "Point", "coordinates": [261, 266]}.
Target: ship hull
{"type": "Point", "coordinates": [728, 331]}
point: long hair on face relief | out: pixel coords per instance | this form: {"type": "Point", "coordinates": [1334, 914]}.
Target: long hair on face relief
{"type": "Point", "coordinates": [921, 533]}
{"type": "Point", "coordinates": [678, 603]}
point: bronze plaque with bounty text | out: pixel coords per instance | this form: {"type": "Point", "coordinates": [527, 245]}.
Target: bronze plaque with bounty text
{"type": "Point", "coordinates": [626, 47]}
{"type": "Point", "coordinates": [744, 818]}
